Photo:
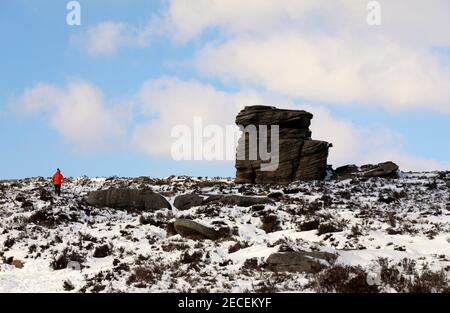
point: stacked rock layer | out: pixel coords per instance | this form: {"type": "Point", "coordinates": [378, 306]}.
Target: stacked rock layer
{"type": "Point", "coordinates": [300, 157]}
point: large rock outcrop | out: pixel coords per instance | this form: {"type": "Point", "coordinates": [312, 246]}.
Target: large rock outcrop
{"type": "Point", "coordinates": [124, 198]}
{"type": "Point", "coordinates": [300, 157]}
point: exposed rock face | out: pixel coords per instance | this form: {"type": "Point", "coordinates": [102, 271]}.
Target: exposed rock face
{"type": "Point", "coordinates": [384, 170]}
{"type": "Point", "coordinates": [300, 157]}
{"type": "Point", "coordinates": [187, 201]}
{"type": "Point", "coordinates": [345, 172]}
{"type": "Point", "coordinates": [194, 230]}
{"type": "Point", "coordinates": [124, 198]}
{"type": "Point", "coordinates": [243, 201]}
{"type": "Point", "coordinates": [301, 261]}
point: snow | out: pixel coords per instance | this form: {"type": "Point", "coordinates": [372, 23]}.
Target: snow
{"type": "Point", "coordinates": [419, 212]}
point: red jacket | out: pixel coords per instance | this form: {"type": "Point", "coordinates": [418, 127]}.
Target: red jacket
{"type": "Point", "coordinates": [57, 178]}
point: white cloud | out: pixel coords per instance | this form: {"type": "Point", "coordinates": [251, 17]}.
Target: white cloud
{"type": "Point", "coordinates": [323, 50]}
{"type": "Point", "coordinates": [347, 139]}
{"type": "Point", "coordinates": [408, 162]}
{"type": "Point", "coordinates": [77, 112]}
{"type": "Point", "coordinates": [317, 50]}
{"type": "Point", "coordinates": [106, 38]}
{"type": "Point", "coordinates": [418, 22]}
{"type": "Point", "coordinates": [41, 97]}
{"type": "Point", "coordinates": [336, 70]}
{"type": "Point", "coordinates": [168, 102]}
{"type": "Point", "coordinates": [186, 20]}
{"type": "Point", "coordinates": [354, 144]}
{"type": "Point", "coordinates": [309, 51]}
{"type": "Point", "coordinates": [102, 39]}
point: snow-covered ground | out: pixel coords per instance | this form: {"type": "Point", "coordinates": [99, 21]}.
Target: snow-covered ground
{"type": "Point", "coordinates": [376, 227]}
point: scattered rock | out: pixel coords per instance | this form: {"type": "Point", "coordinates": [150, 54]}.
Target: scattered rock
{"type": "Point", "coordinates": [346, 171]}
{"type": "Point", "coordinates": [275, 195]}
{"type": "Point", "coordinates": [68, 286]}
{"type": "Point", "coordinates": [328, 227]}
{"type": "Point", "coordinates": [257, 207]}
{"type": "Point", "coordinates": [190, 229]}
{"type": "Point", "coordinates": [384, 170]}
{"type": "Point", "coordinates": [27, 204]}
{"type": "Point", "coordinates": [300, 158]}
{"type": "Point", "coordinates": [386, 199]}
{"type": "Point", "coordinates": [102, 251]}
{"type": "Point", "coordinates": [290, 191]}
{"type": "Point", "coordinates": [18, 263]}
{"type": "Point", "coordinates": [270, 223]}
{"type": "Point", "coordinates": [309, 225]}
{"type": "Point", "coordinates": [222, 229]}
{"type": "Point", "coordinates": [187, 201]}
{"type": "Point", "coordinates": [237, 246]}
{"type": "Point", "coordinates": [9, 242]}
{"type": "Point", "coordinates": [244, 201]}
{"type": "Point", "coordinates": [393, 231]}
{"type": "Point", "coordinates": [142, 180]}
{"type": "Point", "coordinates": [191, 258]}
{"type": "Point", "coordinates": [20, 198]}
{"type": "Point", "coordinates": [299, 261]}
{"type": "Point", "coordinates": [46, 217]}
{"type": "Point", "coordinates": [14, 262]}
{"type": "Point", "coordinates": [124, 198]}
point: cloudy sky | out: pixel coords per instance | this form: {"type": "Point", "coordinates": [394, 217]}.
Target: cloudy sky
{"type": "Point", "coordinates": [101, 98]}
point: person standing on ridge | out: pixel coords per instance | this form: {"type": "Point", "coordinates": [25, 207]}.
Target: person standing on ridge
{"type": "Point", "coordinates": [57, 180]}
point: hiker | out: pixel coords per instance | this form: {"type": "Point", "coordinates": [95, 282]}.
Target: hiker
{"type": "Point", "coordinates": [57, 180]}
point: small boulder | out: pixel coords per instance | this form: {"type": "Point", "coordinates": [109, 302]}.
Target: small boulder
{"type": "Point", "coordinates": [301, 261]}
{"type": "Point", "coordinates": [190, 229]}
{"type": "Point", "coordinates": [102, 251]}
{"type": "Point", "coordinates": [277, 195]}
{"type": "Point", "coordinates": [257, 207]}
{"type": "Point", "coordinates": [142, 180]}
{"type": "Point", "coordinates": [18, 263]}
{"type": "Point", "coordinates": [386, 169]}
{"type": "Point", "coordinates": [187, 201]}
{"type": "Point", "coordinates": [26, 204]}
{"type": "Point", "coordinates": [20, 198]}
{"type": "Point", "coordinates": [345, 172]}
{"type": "Point", "coordinates": [124, 198]}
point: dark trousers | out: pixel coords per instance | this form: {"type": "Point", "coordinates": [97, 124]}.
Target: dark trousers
{"type": "Point", "coordinates": [58, 189]}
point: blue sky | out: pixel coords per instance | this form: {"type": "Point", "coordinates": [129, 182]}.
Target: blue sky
{"type": "Point", "coordinates": [225, 53]}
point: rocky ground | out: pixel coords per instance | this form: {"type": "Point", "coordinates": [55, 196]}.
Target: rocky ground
{"type": "Point", "coordinates": [349, 235]}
